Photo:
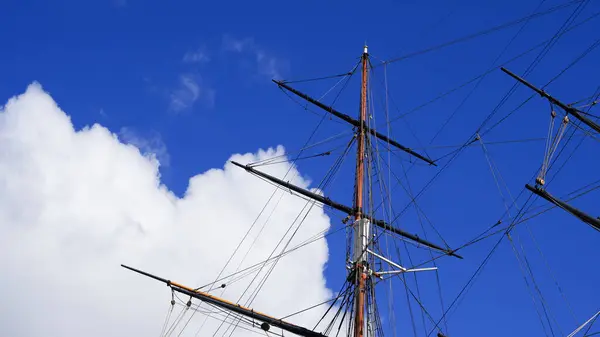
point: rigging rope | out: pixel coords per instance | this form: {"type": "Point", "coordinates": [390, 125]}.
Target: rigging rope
{"type": "Point", "coordinates": [516, 220]}
{"type": "Point", "coordinates": [551, 43]}
{"type": "Point", "coordinates": [522, 269]}
{"type": "Point", "coordinates": [269, 162]}
{"type": "Point", "coordinates": [575, 61]}
{"type": "Point", "coordinates": [526, 263]}
{"type": "Point", "coordinates": [506, 230]}
{"type": "Point", "coordinates": [177, 320]}
{"type": "Point", "coordinates": [508, 141]}
{"type": "Point", "coordinates": [315, 238]}
{"type": "Point", "coordinates": [471, 140]}
{"type": "Point", "coordinates": [276, 260]}
{"type": "Point", "coordinates": [509, 61]}
{"type": "Point", "coordinates": [497, 178]}
{"type": "Point", "coordinates": [389, 98]}
{"type": "Point", "coordinates": [321, 186]}
{"type": "Point", "coordinates": [484, 235]}
{"type": "Point", "coordinates": [545, 305]}
{"type": "Point", "coordinates": [592, 319]}
{"type": "Point", "coordinates": [585, 334]}
{"type": "Point", "coordinates": [551, 145]}
{"type": "Point", "coordinates": [512, 224]}
{"type": "Point", "coordinates": [239, 245]}
{"type": "Point", "coordinates": [329, 139]}
{"type": "Point", "coordinates": [568, 140]}
{"type": "Point", "coordinates": [344, 291]}
{"type": "Point", "coordinates": [560, 33]}
{"type": "Point", "coordinates": [391, 291]}
{"type": "Point", "coordinates": [474, 88]}
{"type": "Point", "coordinates": [305, 105]}
{"type": "Point", "coordinates": [551, 272]}
{"type": "Point", "coordinates": [418, 295]}
{"type": "Point", "coordinates": [265, 279]}
{"type": "Point", "coordinates": [233, 254]}
{"type": "Point", "coordinates": [319, 78]}
{"type": "Point", "coordinates": [483, 32]}
{"type": "Point", "coordinates": [481, 266]}
{"type": "Point", "coordinates": [169, 312]}
{"type": "Point", "coordinates": [375, 153]}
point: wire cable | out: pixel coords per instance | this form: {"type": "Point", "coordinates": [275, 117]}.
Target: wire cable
{"type": "Point", "coordinates": [483, 32]}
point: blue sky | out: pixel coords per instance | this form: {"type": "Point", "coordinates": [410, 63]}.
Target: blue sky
{"type": "Point", "coordinates": [192, 80]}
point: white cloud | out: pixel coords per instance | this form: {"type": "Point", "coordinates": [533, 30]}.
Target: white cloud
{"type": "Point", "coordinates": [189, 91]}
{"type": "Point", "coordinates": [237, 45]}
{"type": "Point", "coordinates": [266, 64]}
{"type": "Point", "coordinates": [150, 144]}
{"type": "Point", "coordinates": [74, 204]}
{"type": "Point", "coordinates": [197, 56]}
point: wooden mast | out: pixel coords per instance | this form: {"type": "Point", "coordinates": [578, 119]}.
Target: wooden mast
{"type": "Point", "coordinates": [361, 225]}
{"type": "Point", "coordinates": [360, 271]}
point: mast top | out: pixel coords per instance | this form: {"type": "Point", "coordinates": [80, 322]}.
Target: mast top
{"type": "Point", "coordinates": [366, 49]}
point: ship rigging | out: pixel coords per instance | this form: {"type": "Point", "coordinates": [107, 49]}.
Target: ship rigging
{"type": "Point", "coordinates": [368, 224]}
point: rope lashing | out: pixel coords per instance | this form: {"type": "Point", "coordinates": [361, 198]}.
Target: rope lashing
{"type": "Point", "coordinates": [551, 145]}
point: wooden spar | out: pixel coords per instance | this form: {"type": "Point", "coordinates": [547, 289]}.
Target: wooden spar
{"type": "Point", "coordinates": [345, 209]}
{"type": "Point", "coordinates": [568, 109]}
{"type": "Point", "coordinates": [221, 303]}
{"type": "Point", "coordinates": [306, 193]}
{"type": "Point", "coordinates": [354, 122]}
{"type": "Point", "coordinates": [594, 222]}
{"type": "Point", "coordinates": [360, 242]}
